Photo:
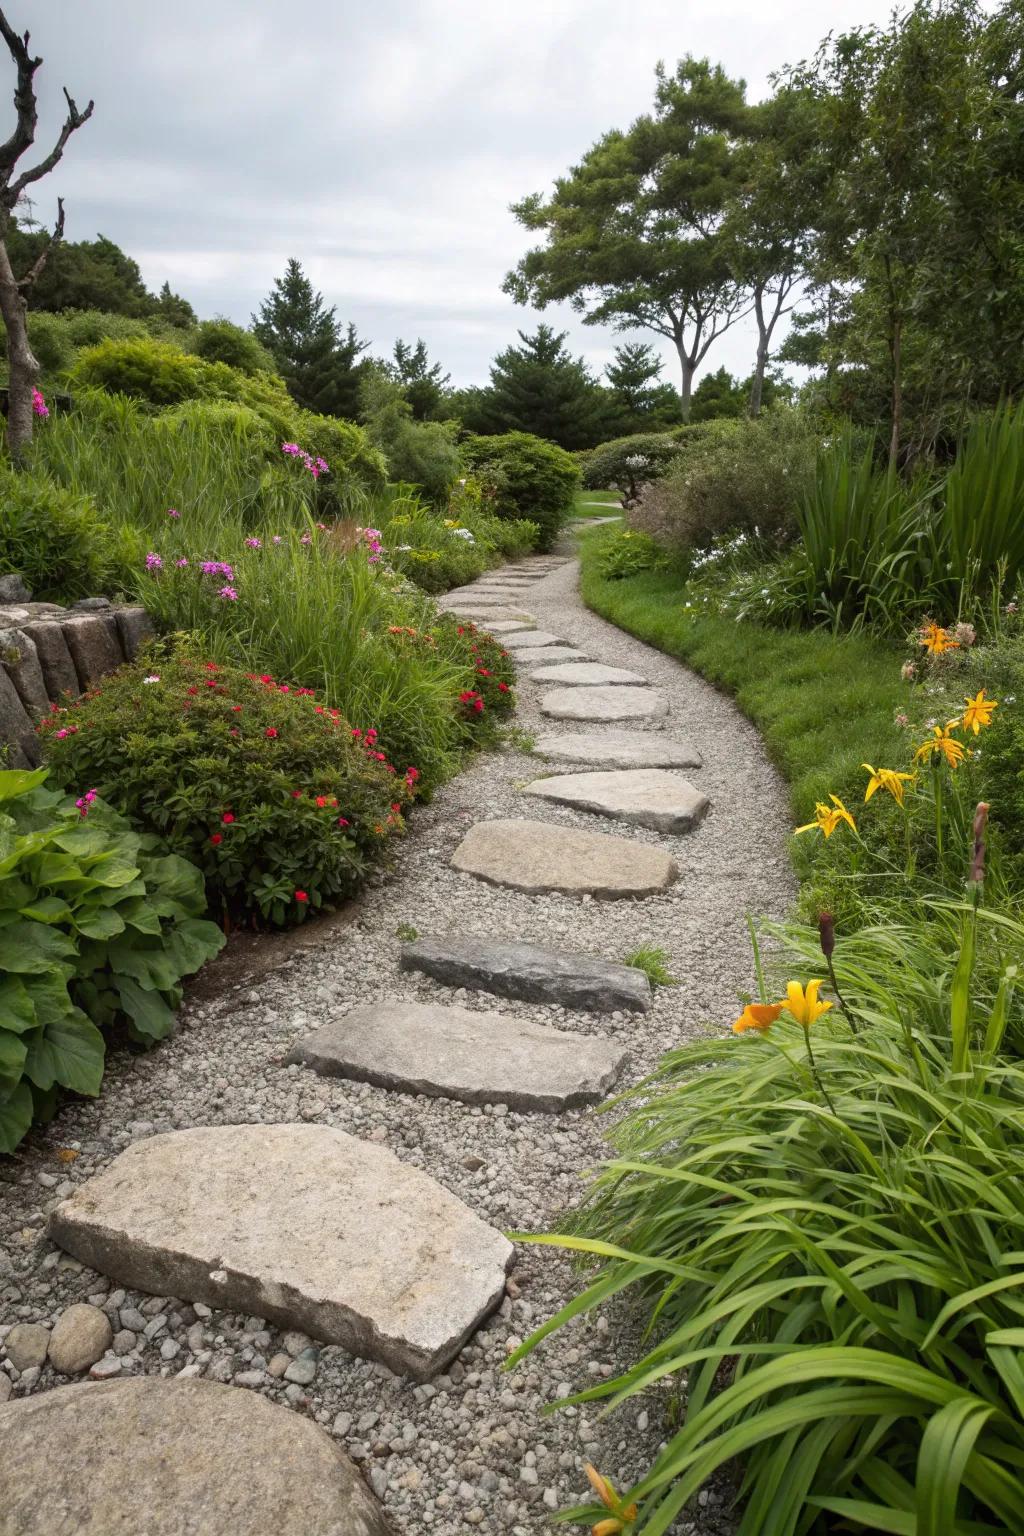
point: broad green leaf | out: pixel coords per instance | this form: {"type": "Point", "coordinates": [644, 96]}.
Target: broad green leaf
{"type": "Point", "coordinates": [17, 1008]}
{"type": "Point", "coordinates": [67, 1053]}
{"type": "Point", "coordinates": [29, 948]}
{"type": "Point", "coordinates": [147, 1010]}
{"type": "Point", "coordinates": [175, 885]}
{"type": "Point", "coordinates": [12, 1054]}
{"type": "Point", "coordinates": [85, 841]}
{"type": "Point", "coordinates": [139, 913]}
{"type": "Point", "coordinates": [945, 1447]}
{"type": "Point", "coordinates": [48, 909]}
{"type": "Point", "coordinates": [19, 781]}
{"type": "Point", "coordinates": [15, 1117]}
{"type": "Point", "coordinates": [191, 943]}
{"type": "Point", "coordinates": [147, 963]}
{"type": "Point", "coordinates": [100, 923]}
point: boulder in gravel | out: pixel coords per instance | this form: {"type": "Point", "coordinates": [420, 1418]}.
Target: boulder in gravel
{"type": "Point", "coordinates": [55, 659]}
{"type": "Point", "coordinates": [81, 1336]}
{"type": "Point", "coordinates": [593, 675]}
{"type": "Point", "coordinates": [94, 645]}
{"type": "Point", "coordinates": [26, 1346]}
{"type": "Point", "coordinates": [303, 1224]}
{"type": "Point", "coordinates": [174, 1458]}
{"type": "Point", "coordinates": [21, 662]}
{"type": "Point", "coordinates": [531, 973]}
{"type": "Point", "coordinates": [645, 797]}
{"type": "Point", "coordinates": [455, 1053]}
{"type": "Point", "coordinates": [618, 749]}
{"type": "Point", "coordinates": [604, 704]}
{"type": "Point", "coordinates": [538, 856]}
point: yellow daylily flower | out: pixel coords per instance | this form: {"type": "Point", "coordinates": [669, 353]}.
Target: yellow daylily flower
{"type": "Point", "coordinates": [942, 744]}
{"type": "Point", "coordinates": [828, 817]}
{"type": "Point", "coordinates": [978, 712]}
{"type": "Point", "coordinates": [935, 639]}
{"type": "Point", "coordinates": [759, 1016]}
{"type": "Point", "coordinates": [610, 1499]}
{"type": "Point", "coordinates": [803, 1004]}
{"type": "Point", "coordinates": [887, 778]}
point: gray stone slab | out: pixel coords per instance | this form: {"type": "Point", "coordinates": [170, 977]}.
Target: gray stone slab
{"type": "Point", "coordinates": [594, 675]}
{"type": "Point", "coordinates": [21, 662]}
{"type": "Point", "coordinates": [134, 627]}
{"type": "Point", "coordinates": [618, 749]}
{"type": "Point", "coordinates": [597, 704]}
{"type": "Point", "coordinates": [645, 797]}
{"type": "Point", "coordinates": [17, 731]}
{"type": "Point", "coordinates": [174, 1458]}
{"type": "Point", "coordinates": [511, 626]}
{"type": "Point", "coordinates": [551, 653]}
{"type": "Point", "coordinates": [94, 644]}
{"type": "Point", "coordinates": [303, 1224]}
{"type": "Point", "coordinates": [485, 616]}
{"type": "Point", "coordinates": [455, 1053]}
{"type": "Point", "coordinates": [13, 589]}
{"type": "Point", "coordinates": [538, 856]}
{"type": "Point", "coordinates": [56, 660]}
{"type": "Point", "coordinates": [531, 639]}
{"type": "Point", "coordinates": [530, 973]}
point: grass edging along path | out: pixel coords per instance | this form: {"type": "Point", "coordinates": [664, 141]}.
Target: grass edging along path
{"type": "Point", "coordinates": [823, 703]}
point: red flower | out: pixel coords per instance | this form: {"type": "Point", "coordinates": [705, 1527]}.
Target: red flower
{"type": "Point", "coordinates": [503, 687]}
{"type": "Point", "coordinates": [479, 706]}
{"type": "Point", "coordinates": [296, 794]}
{"type": "Point", "coordinates": [265, 677]}
{"type": "Point", "coordinates": [216, 839]}
{"type": "Point", "coordinates": [210, 683]}
{"type": "Point", "coordinates": [321, 801]}
{"type": "Point", "coordinates": [193, 690]}
{"type": "Point", "coordinates": [236, 709]}
{"type": "Point", "coordinates": [211, 666]}
{"type": "Point", "coordinates": [227, 818]}
{"type": "Point", "coordinates": [342, 822]}
{"type": "Point", "coordinates": [301, 895]}
{"type": "Point", "coordinates": [270, 731]}
{"type": "Point", "coordinates": [318, 709]}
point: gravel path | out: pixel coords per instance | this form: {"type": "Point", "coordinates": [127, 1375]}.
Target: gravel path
{"type": "Point", "coordinates": [469, 1450]}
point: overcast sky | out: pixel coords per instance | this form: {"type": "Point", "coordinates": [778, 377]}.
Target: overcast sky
{"type": "Point", "coordinates": [379, 141]}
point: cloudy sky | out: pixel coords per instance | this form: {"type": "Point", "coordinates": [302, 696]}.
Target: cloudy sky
{"type": "Point", "coordinates": [380, 143]}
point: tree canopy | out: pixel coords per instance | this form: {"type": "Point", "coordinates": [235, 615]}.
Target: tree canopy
{"type": "Point", "coordinates": [318, 361]}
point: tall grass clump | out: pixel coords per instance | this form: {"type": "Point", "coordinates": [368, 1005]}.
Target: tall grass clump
{"type": "Point", "coordinates": [828, 1244]}
{"type": "Point", "coordinates": [980, 530]}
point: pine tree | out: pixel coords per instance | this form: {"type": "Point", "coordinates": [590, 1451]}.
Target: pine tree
{"type": "Point", "coordinates": [423, 383]}
{"type": "Point", "coordinates": [319, 365]}
{"type": "Point", "coordinates": [639, 398]}
{"type": "Point", "coordinates": [540, 387]}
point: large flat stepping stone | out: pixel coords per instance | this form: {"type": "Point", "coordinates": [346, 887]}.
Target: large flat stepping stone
{"type": "Point", "coordinates": [531, 974]}
{"type": "Point", "coordinates": [596, 703]}
{"type": "Point", "coordinates": [302, 1224]}
{"type": "Point", "coordinates": [453, 1053]}
{"type": "Point", "coordinates": [551, 653]}
{"type": "Point", "coordinates": [485, 616]}
{"type": "Point", "coordinates": [539, 856]}
{"type": "Point", "coordinates": [511, 626]}
{"type": "Point", "coordinates": [174, 1458]}
{"type": "Point", "coordinates": [646, 797]}
{"type": "Point", "coordinates": [618, 749]}
{"type": "Point", "coordinates": [529, 640]}
{"type": "Point", "coordinates": [594, 675]}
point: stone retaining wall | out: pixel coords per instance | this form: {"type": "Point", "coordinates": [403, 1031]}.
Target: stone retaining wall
{"type": "Point", "coordinates": [48, 653]}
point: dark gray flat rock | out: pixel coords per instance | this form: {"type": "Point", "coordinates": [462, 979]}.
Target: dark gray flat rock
{"type": "Point", "coordinates": [455, 1053]}
{"type": "Point", "coordinates": [530, 973]}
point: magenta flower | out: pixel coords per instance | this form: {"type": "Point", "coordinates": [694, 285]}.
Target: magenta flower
{"type": "Point", "coordinates": [254, 543]}
{"type": "Point", "coordinates": [307, 538]}
{"type": "Point", "coordinates": [154, 562]}
{"type": "Point", "coordinates": [276, 539]}
{"type": "Point", "coordinates": [85, 801]}
{"type": "Point", "coordinates": [228, 594]}
{"type": "Point", "coordinates": [217, 568]}
{"type": "Point", "coordinates": [39, 405]}
{"type": "Point", "coordinates": [182, 562]}
{"type": "Point", "coordinates": [173, 512]}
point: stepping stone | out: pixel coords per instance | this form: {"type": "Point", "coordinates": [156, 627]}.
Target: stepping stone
{"type": "Point", "coordinates": [618, 749]}
{"type": "Point", "coordinates": [618, 703]}
{"type": "Point", "coordinates": [453, 1053]}
{"type": "Point", "coordinates": [594, 675]}
{"type": "Point", "coordinates": [539, 856]}
{"type": "Point", "coordinates": [484, 616]}
{"type": "Point", "coordinates": [530, 973]}
{"type": "Point", "coordinates": [303, 1224]}
{"type": "Point", "coordinates": [529, 641]}
{"type": "Point", "coordinates": [174, 1458]}
{"type": "Point", "coordinates": [551, 653]}
{"type": "Point", "coordinates": [511, 626]}
{"type": "Point", "coordinates": [647, 797]}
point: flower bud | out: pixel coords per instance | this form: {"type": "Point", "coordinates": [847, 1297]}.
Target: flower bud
{"type": "Point", "coordinates": [977, 873]}
{"type": "Point", "coordinates": [827, 933]}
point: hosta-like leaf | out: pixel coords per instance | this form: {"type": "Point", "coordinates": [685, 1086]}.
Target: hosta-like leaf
{"type": "Point", "coordinates": [15, 1117]}
{"type": "Point", "coordinates": [150, 1014]}
{"type": "Point", "coordinates": [67, 1053]}
{"type": "Point", "coordinates": [27, 948]}
{"type": "Point", "coordinates": [100, 923]}
{"type": "Point", "coordinates": [19, 781]}
{"type": "Point", "coordinates": [47, 909]}
{"type": "Point", "coordinates": [191, 943]}
{"type": "Point", "coordinates": [17, 1009]}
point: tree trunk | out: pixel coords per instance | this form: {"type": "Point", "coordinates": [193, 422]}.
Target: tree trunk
{"type": "Point", "coordinates": [689, 368]}
{"type": "Point", "coordinates": [757, 387]}
{"type": "Point", "coordinates": [897, 393]}
{"type": "Point", "coordinates": [22, 367]}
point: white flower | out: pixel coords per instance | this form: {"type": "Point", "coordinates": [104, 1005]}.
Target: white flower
{"type": "Point", "coordinates": [462, 533]}
{"type": "Point", "coordinates": [154, 677]}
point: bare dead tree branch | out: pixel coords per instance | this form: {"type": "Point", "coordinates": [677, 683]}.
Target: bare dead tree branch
{"type": "Point", "coordinates": [24, 97]}
{"type": "Point", "coordinates": [41, 260]}
{"type": "Point", "coordinates": [74, 120]}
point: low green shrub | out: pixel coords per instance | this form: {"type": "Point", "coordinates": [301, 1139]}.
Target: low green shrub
{"type": "Point", "coordinates": [49, 339]}
{"type": "Point", "coordinates": [153, 371]}
{"type": "Point", "coordinates": [277, 799]}
{"type": "Point", "coordinates": [220, 341]}
{"type": "Point", "coordinates": [97, 926]}
{"type": "Point", "coordinates": [828, 1249]}
{"type": "Point", "coordinates": [58, 541]}
{"type": "Point", "coordinates": [731, 476]}
{"type": "Point", "coordinates": [526, 477]}
{"type": "Point", "coordinates": [627, 463]}
{"type": "Point", "coordinates": [628, 552]}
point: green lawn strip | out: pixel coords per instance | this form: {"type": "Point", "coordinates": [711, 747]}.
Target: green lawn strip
{"type": "Point", "coordinates": [596, 503]}
{"type": "Point", "coordinates": [824, 704]}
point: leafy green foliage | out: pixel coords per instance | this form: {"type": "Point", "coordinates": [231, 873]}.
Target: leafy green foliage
{"type": "Point", "coordinates": [265, 790]}
{"type": "Point", "coordinates": [540, 388]}
{"type": "Point", "coordinates": [219, 341]}
{"type": "Point", "coordinates": [422, 454]}
{"type": "Point", "coordinates": [627, 463]}
{"type": "Point", "coordinates": [439, 553]}
{"type": "Point", "coordinates": [731, 476]}
{"type": "Point", "coordinates": [154, 371]}
{"type": "Point", "coordinates": [422, 382]}
{"type": "Point", "coordinates": [90, 275]}
{"type": "Point", "coordinates": [97, 926]}
{"type": "Point", "coordinates": [627, 553]}
{"type": "Point", "coordinates": [837, 1278]}
{"type": "Point", "coordinates": [654, 964]}
{"type": "Point", "coordinates": [57, 540]}
{"type": "Point", "coordinates": [528, 478]}
{"type": "Point", "coordinates": [639, 400]}
{"type": "Point", "coordinates": [320, 365]}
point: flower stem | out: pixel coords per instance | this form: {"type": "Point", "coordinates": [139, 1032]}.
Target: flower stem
{"type": "Point", "coordinates": [840, 999]}
{"type": "Point", "coordinates": [814, 1069]}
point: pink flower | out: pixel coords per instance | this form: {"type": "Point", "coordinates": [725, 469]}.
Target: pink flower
{"type": "Point", "coordinates": [307, 538]}
{"type": "Point", "coordinates": [39, 405]}
{"type": "Point", "coordinates": [173, 512]}
{"type": "Point", "coordinates": [276, 539]}
{"type": "Point", "coordinates": [182, 562]}
{"type": "Point", "coordinates": [153, 562]}
{"type": "Point", "coordinates": [86, 801]}
{"type": "Point", "coordinates": [228, 594]}
{"type": "Point", "coordinates": [254, 543]}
